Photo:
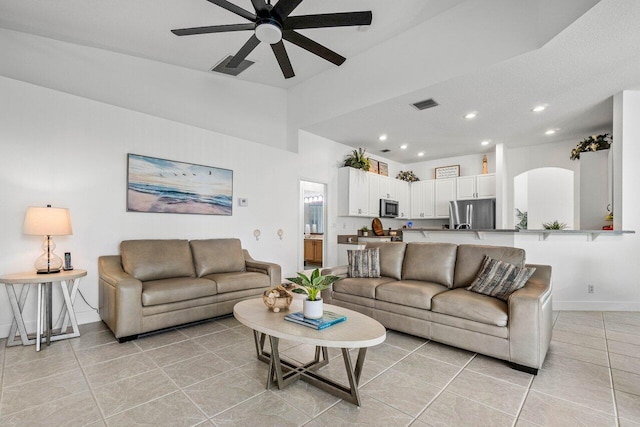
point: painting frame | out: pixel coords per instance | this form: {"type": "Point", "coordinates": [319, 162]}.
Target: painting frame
{"type": "Point", "coordinates": [444, 172]}
{"type": "Point", "coordinates": [157, 185]}
{"type": "Point", "coordinates": [383, 169]}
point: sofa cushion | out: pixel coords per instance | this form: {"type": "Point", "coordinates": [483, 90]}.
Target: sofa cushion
{"type": "Point", "coordinates": [472, 306]}
{"type": "Point", "coordinates": [239, 281]}
{"type": "Point", "coordinates": [360, 287]}
{"type": "Point", "coordinates": [411, 293]}
{"type": "Point", "coordinates": [157, 259]}
{"type": "Point", "coordinates": [470, 258]}
{"type": "Point", "coordinates": [430, 262]}
{"type": "Point", "coordinates": [155, 292]}
{"type": "Point", "coordinates": [364, 262]}
{"type": "Point", "coordinates": [500, 279]}
{"type": "Point", "coordinates": [217, 256]}
{"type": "Point", "coordinates": [391, 256]}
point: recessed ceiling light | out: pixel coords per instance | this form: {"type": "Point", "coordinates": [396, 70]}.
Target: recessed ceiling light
{"type": "Point", "coordinates": [485, 142]}
{"type": "Point", "coordinates": [382, 137]}
{"type": "Point", "coordinates": [551, 131]}
{"type": "Point", "coordinates": [403, 146]}
{"type": "Point", "coordinates": [421, 153]}
{"type": "Point", "coordinates": [471, 115]}
{"type": "Point", "coordinates": [538, 108]}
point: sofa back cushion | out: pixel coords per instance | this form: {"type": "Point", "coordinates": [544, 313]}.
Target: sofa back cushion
{"type": "Point", "coordinates": [471, 257]}
{"type": "Point", "coordinates": [430, 262]}
{"type": "Point", "coordinates": [157, 259]}
{"type": "Point", "coordinates": [217, 256]}
{"type": "Point", "coordinates": [391, 256]}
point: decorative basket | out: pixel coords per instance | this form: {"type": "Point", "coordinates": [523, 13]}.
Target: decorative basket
{"type": "Point", "coordinates": [277, 299]}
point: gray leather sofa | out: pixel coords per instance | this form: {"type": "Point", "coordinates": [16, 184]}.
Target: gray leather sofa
{"type": "Point", "coordinates": [155, 284]}
{"type": "Point", "coordinates": [422, 292]}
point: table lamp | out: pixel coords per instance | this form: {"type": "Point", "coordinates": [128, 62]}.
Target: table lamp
{"type": "Point", "coordinates": [47, 222]}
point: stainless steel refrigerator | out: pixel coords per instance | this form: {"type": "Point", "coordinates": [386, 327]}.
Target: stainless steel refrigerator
{"type": "Point", "coordinates": [472, 214]}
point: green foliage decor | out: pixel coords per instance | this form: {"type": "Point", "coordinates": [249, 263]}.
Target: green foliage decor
{"type": "Point", "coordinates": [555, 225]}
{"type": "Point", "coordinates": [312, 286]}
{"type": "Point", "coordinates": [357, 159]}
{"type": "Point", "coordinates": [592, 143]}
{"type": "Point", "coordinates": [408, 176]}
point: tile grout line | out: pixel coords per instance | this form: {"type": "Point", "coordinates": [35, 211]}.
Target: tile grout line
{"type": "Point", "coordinates": [86, 378]}
{"type": "Point", "coordinates": [445, 387]}
{"type": "Point", "coordinates": [526, 395]}
{"type": "Point", "coordinates": [613, 390]}
{"type": "Point", "coordinates": [4, 361]}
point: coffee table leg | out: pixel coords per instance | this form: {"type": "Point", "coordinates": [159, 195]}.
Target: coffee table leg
{"type": "Point", "coordinates": [353, 375]}
{"type": "Point", "coordinates": [274, 365]}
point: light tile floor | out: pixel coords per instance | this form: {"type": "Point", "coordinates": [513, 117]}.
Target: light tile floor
{"type": "Point", "coordinates": [207, 374]}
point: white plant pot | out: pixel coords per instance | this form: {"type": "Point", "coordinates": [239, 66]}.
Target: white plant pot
{"type": "Point", "coordinates": [312, 309]}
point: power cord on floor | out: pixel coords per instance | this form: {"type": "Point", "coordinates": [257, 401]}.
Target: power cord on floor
{"type": "Point", "coordinates": [83, 299]}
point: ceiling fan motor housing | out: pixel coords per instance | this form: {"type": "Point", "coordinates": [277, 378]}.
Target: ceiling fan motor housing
{"type": "Point", "coordinates": [269, 31]}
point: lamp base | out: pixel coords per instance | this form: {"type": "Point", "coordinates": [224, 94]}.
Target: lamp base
{"type": "Point", "coordinates": [51, 271]}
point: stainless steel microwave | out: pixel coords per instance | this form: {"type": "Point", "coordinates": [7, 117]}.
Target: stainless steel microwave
{"type": "Point", "coordinates": [388, 208]}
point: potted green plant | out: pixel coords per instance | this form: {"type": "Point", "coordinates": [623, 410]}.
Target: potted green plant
{"type": "Point", "coordinates": [312, 286]}
{"type": "Point", "coordinates": [365, 231]}
{"type": "Point", "coordinates": [554, 225]}
{"type": "Point", "coordinates": [357, 159]}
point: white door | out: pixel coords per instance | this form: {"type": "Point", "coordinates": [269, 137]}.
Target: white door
{"type": "Point", "coordinates": [403, 197]}
{"type": "Point", "coordinates": [466, 187]}
{"type": "Point", "coordinates": [374, 194]}
{"type": "Point", "coordinates": [445, 192]}
{"type": "Point", "coordinates": [486, 186]}
{"type": "Point", "coordinates": [358, 193]}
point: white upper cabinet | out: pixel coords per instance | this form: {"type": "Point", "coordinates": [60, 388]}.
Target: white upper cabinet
{"type": "Point", "coordinates": [445, 192]}
{"type": "Point", "coordinates": [476, 186]}
{"type": "Point", "coordinates": [403, 197]}
{"type": "Point", "coordinates": [353, 192]}
{"type": "Point", "coordinates": [387, 188]}
{"type": "Point", "coordinates": [423, 199]}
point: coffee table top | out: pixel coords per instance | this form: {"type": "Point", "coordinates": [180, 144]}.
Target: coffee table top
{"type": "Point", "coordinates": [356, 332]}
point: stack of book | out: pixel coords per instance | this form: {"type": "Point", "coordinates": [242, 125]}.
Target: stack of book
{"type": "Point", "coordinates": [329, 318]}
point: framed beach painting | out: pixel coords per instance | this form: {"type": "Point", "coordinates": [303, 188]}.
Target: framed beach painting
{"type": "Point", "coordinates": [168, 186]}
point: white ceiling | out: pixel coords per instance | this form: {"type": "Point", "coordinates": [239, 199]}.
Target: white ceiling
{"type": "Point", "coordinates": [575, 73]}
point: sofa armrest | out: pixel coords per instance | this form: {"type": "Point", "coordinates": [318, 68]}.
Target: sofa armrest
{"type": "Point", "coordinates": [340, 271]}
{"type": "Point", "coordinates": [270, 269]}
{"type": "Point", "coordinates": [530, 319]}
{"type": "Point", "coordinates": [120, 297]}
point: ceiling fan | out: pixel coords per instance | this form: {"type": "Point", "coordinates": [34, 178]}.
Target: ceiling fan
{"type": "Point", "coordinates": [271, 24]}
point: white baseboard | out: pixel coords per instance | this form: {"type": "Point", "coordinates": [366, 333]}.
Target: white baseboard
{"type": "Point", "coordinates": [82, 318]}
{"type": "Point", "coordinates": [595, 306]}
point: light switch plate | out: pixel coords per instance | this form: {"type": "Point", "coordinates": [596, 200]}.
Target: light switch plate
{"type": "Point", "coordinates": [243, 201]}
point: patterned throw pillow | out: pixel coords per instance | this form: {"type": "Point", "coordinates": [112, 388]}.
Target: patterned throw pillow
{"type": "Point", "coordinates": [364, 262]}
{"type": "Point", "coordinates": [500, 279]}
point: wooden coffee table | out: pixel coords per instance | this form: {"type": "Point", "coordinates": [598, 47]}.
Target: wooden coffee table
{"type": "Point", "coordinates": [358, 331]}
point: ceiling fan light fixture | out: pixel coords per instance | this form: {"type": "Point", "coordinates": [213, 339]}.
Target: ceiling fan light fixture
{"type": "Point", "coordinates": [269, 32]}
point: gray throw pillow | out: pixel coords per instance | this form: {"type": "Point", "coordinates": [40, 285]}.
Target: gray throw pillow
{"type": "Point", "coordinates": [500, 279]}
{"type": "Point", "coordinates": [364, 262]}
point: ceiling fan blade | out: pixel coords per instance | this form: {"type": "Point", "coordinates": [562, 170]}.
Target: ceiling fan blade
{"type": "Point", "coordinates": [260, 6]}
{"type": "Point", "coordinates": [313, 47]}
{"type": "Point", "coordinates": [235, 9]}
{"type": "Point", "coordinates": [284, 8]}
{"type": "Point", "coordinates": [213, 29]}
{"type": "Point", "coordinates": [283, 59]}
{"type": "Point", "coordinates": [328, 20]}
{"type": "Point", "coordinates": [244, 51]}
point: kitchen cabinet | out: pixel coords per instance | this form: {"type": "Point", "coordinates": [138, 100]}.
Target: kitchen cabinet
{"type": "Point", "coordinates": [445, 192]}
{"type": "Point", "coordinates": [403, 196]}
{"type": "Point", "coordinates": [423, 199]}
{"type": "Point", "coordinates": [313, 251]}
{"type": "Point", "coordinates": [353, 192]}
{"type": "Point", "coordinates": [380, 187]}
{"type": "Point", "coordinates": [476, 187]}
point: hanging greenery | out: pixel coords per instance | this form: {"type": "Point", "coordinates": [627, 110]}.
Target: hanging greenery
{"type": "Point", "coordinates": [592, 143]}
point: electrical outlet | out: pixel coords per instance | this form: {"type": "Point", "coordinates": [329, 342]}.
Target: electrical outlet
{"type": "Point", "coordinates": [243, 201]}
{"type": "Point", "coordinates": [591, 289]}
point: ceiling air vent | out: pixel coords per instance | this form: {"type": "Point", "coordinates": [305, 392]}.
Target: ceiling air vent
{"type": "Point", "coordinates": [386, 150]}
{"type": "Point", "coordinates": [221, 67]}
{"type": "Point", "coordinates": [427, 103]}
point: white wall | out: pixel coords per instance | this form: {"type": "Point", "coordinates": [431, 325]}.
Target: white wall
{"type": "Point", "coordinates": [549, 193]}
{"type": "Point", "coordinates": [71, 152]}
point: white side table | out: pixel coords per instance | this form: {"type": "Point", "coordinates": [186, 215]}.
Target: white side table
{"type": "Point", "coordinates": [68, 280]}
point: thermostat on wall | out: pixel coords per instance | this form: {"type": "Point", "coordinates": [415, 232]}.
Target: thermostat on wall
{"type": "Point", "coordinates": [243, 201]}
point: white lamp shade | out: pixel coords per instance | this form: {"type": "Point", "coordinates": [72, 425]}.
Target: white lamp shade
{"type": "Point", "coordinates": [47, 221]}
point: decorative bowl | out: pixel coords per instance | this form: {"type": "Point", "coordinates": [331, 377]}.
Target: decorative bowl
{"type": "Point", "coordinates": [277, 299]}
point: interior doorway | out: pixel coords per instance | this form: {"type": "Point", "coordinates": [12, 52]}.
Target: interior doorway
{"type": "Point", "coordinates": [313, 230]}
